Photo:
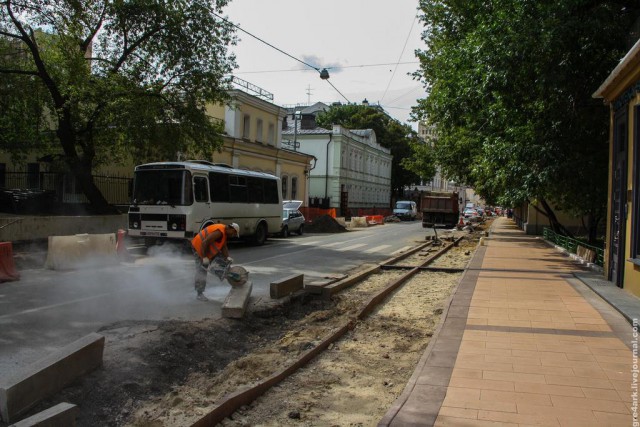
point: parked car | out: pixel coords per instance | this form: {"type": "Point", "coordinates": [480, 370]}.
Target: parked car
{"type": "Point", "coordinates": [406, 209]}
{"type": "Point", "coordinates": [292, 218]}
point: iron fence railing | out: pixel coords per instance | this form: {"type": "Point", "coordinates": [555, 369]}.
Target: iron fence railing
{"type": "Point", "coordinates": [116, 189]}
{"type": "Point", "coordinates": [571, 245]}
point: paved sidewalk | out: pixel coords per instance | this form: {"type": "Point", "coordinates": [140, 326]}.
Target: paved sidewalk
{"type": "Point", "coordinates": [524, 341]}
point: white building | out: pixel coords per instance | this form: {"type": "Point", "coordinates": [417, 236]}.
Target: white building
{"type": "Point", "coordinates": [351, 170]}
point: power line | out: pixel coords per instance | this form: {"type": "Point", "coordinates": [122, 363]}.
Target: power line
{"type": "Point", "coordinates": [338, 67]}
{"type": "Point", "coordinates": [400, 57]}
{"type": "Point", "coordinates": [285, 53]}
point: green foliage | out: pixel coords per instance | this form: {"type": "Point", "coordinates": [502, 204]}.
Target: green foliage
{"type": "Point", "coordinates": [510, 87]}
{"type": "Point", "coordinates": [106, 80]}
{"type": "Point", "coordinates": [390, 133]}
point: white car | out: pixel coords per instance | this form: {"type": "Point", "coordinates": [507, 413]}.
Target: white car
{"type": "Point", "coordinates": [292, 218]}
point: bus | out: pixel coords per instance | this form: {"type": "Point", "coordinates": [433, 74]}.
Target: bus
{"type": "Point", "coordinates": [173, 201]}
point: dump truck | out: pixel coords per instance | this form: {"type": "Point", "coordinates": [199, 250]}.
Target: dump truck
{"type": "Point", "coordinates": [439, 209]}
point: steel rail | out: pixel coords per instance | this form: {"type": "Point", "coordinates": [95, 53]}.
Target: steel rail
{"type": "Point", "coordinates": [234, 401]}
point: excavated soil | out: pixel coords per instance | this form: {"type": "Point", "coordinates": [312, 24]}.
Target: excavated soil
{"type": "Point", "coordinates": [172, 373]}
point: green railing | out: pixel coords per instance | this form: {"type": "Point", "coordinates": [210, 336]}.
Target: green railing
{"type": "Point", "coordinates": [571, 245]}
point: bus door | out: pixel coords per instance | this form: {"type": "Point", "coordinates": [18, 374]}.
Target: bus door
{"type": "Point", "coordinates": [201, 203]}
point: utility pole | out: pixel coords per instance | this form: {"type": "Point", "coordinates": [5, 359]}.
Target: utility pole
{"type": "Point", "coordinates": [308, 94]}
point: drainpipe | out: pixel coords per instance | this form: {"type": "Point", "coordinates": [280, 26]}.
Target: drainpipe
{"type": "Point", "coordinates": [326, 175]}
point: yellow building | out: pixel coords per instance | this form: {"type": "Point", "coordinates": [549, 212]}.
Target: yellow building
{"type": "Point", "coordinates": [621, 91]}
{"type": "Point", "coordinates": [252, 141]}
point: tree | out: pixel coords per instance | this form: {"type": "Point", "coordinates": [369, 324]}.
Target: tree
{"type": "Point", "coordinates": [102, 80]}
{"type": "Point", "coordinates": [390, 133]}
{"type": "Point", "coordinates": [509, 88]}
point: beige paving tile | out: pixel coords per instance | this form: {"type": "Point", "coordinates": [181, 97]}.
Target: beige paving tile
{"type": "Point", "coordinates": [543, 370]}
{"type": "Point", "coordinates": [541, 419]}
{"type": "Point", "coordinates": [590, 404]}
{"type": "Point", "coordinates": [483, 384]}
{"type": "Point", "coordinates": [609, 419]}
{"type": "Point", "coordinates": [467, 373]}
{"type": "Point", "coordinates": [558, 412]}
{"type": "Point", "coordinates": [579, 381]}
{"type": "Point", "coordinates": [516, 397]}
{"type": "Point", "coordinates": [589, 372]}
{"type": "Point", "coordinates": [450, 411]}
{"type": "Point", "coordinates": [601, 393]}
{"type": "Point", "coordinates": [549, 389]}
{"type": "Point", "coordinates": [480, 404]}
{"type": "Point", "coordinates": [514, 377]}
{"type": "Point", "coordinates": [442, 421]}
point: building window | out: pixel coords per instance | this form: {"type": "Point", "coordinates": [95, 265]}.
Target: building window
{"type": "Point", "coordinates": [294, 188]}
{"type": "Point", "coordinates": [285, 184]}
{"type": "Point", "coordinates": [246, 126]}
{"type": "Point", "coordinates": [271, 134]}
{"type": "Point", "coordinates": [259, 130]}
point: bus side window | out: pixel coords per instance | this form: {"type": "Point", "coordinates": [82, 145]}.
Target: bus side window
{"type": "Point", "coordinates": [200, 189]}
{"type": "Point", "coordinates": [238, 189]}
{"type": "Point", "coordinates": [255, 190]}
{"type": "Point", "coordinates": [219, 187]}
{"type": "Point", "coordinates": [271, 191]}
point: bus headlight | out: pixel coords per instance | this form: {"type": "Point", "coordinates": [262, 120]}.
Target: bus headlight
{"type": "Point", "coordinates": [135, 221]}
{"type": "Point", "coordinates": [177, 222]}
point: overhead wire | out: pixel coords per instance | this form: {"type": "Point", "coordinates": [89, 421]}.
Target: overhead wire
{"type": "Point", "coordinates": [338, 67]}
{"type": "Point", "coordinates": [281, 51]}
{"type": "Point", "coordinates": [400, 57]}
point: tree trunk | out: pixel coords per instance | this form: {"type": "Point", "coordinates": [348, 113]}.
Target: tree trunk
{"type": "Point", "coordinates": [553, 219]}
{"type": "Point", "coordinates": [81, 167]}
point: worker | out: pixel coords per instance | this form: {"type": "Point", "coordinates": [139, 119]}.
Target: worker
{"type": "Point", "coordinates": [209, 244]}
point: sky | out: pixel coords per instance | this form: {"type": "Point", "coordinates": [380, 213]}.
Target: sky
{"type": "Point", "coordinates": [351, 38]}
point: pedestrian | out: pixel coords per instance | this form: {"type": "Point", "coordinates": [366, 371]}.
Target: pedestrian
{"type": "Point", "coordinates": [210, 244]}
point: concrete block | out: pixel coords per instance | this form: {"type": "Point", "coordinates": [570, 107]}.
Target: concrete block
{"type": "Point", "coordinates": [62, 415]}
{"type": "Point", "coordinates": [39, 380]}
{"type": "Point", "coordinates": [288, 285]}
{"type": "Point", "coordinates": [81, 251]}
{"type": "Point", "coordinates": [235, 304]}
{"type": "Point", "coordinates": [316, 286]}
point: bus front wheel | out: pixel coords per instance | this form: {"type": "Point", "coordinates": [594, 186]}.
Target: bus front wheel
{"type": "Point", "coordinates": [261, 234]}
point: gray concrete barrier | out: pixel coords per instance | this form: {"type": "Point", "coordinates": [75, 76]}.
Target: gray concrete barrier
{"type": "Point", "coordinates": [39, 380]}
{"type": "Point", "coordinates": [81, 251]}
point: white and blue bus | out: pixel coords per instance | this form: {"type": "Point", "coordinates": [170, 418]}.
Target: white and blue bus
{"type": "Point", "coordinates": [175, 200]}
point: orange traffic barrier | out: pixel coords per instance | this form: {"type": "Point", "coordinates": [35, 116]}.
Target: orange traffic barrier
{"type": "Point", "coordinates": [121, 248]}
{"type": "Point", "coordinates": [375, 219]}
{"type": "Point", "coordinates": [8, 270]}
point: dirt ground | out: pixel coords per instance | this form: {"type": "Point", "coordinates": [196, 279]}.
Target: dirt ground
{"type": "Point", "coordinates": [173, 373]}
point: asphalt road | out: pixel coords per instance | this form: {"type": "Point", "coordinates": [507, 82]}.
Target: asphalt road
{"type": "Point", "coordinates": [47, 309]}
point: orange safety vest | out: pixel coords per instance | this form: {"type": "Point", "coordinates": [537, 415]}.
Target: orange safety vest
{"type": "Point", "coordinates": [196, 242]}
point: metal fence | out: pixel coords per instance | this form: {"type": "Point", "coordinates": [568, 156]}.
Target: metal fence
{"type": "Point", "coordinates": [116, 189]}
{"type": "Point", "coordinates": [571, 245]}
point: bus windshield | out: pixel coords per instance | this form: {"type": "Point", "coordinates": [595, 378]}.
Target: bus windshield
{"type": "Point", "coordinates": [162, 187]}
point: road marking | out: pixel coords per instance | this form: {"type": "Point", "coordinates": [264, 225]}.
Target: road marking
{"type": "Point", "coordinates": [329, 245]}
{"type": "Point", "coordinates": [406, 248]}
{"type": "Point", "coordinates": [377, 249]}
{"type": "Point", "coordinates": [348, 248]}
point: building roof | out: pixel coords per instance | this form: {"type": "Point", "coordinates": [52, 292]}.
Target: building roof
{"type": "Point", "coordinates": [610, 88]}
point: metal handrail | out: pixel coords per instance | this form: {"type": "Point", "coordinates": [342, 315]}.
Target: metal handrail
{"type": "Point", "coordinates": [571, 245]}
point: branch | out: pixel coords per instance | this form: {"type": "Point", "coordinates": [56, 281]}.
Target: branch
{"type": "Point", "coordinates": [33, 47]}
{"type": "Point", "coordinates": [23, 72]}
{"type": "Point", "coordinates": [85, 44]}
{"type": "Point", "coordinates": [129, 50]}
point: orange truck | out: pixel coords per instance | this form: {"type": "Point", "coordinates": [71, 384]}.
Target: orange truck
{"type": "Point", "coordinates": [439, 209]}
